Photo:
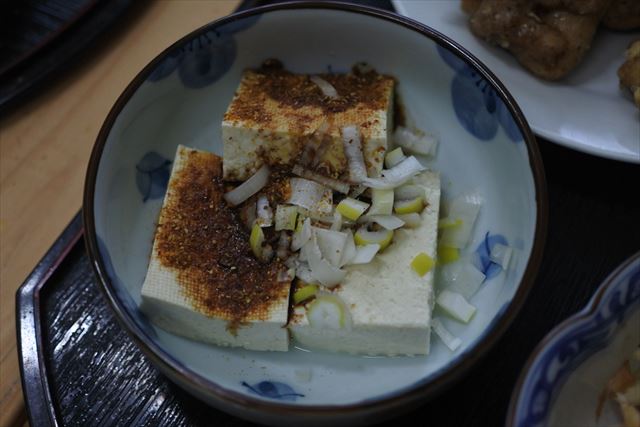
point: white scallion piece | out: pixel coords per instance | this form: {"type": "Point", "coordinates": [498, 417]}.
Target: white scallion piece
{"type": "Point", "coordinates": [248, 188]}
{"type": "Point", "coordinates": [351, 208]}
{"type": "Point", "coordinates": [452, 342]}
{"type": "Point", "coordinates": [331, 244]}
{"type": "Point", "coordinates": [409, 191]}
{"type": "Point", "coordinates": [353, 152]}
{"type": "Point", "coordinates": [394, 157]}
{"type": "Point", "coordinates": [339, 186]}
{"type": "Point", "coordinates": [350, 249]}
{"type": "Point", "coordinates": [264, 212]}
{"type": "Point", "coordinates": [415, 142]}
{"type": "Point", "coordinates": [397, 175]}
{"type": "Point", "coordinates": [456, 306]}
{"type": "Point", "coordinates": [364, 254]}
{"type": "Point", "coordinates": [303, 272]}
{"type": "Point", "coordinates": [326, 87]}
{"type": "Point", "coordinates": [462, 211]}
{"type": "Point", "coordinates": [462, 277]}
{"type": "Point", "coordinates": [390, 222]}
{"type": "Point", "coordinates": [286, 217]}
{"type": "Point", "coordinates": [357, 190]}
{"type": "Point", "coordinates": [301, 236]}
{"type": "Point", "coordinates": [411, 220]}
{"type": "Point", "coordinates": [310, 195]}
{"type": "Point", "coordinates": [291, 262]}
{"type": "Point", "coordinates": [328, 311]}
{"type": "Point", "coordinates": [501, 255]}
{"type": "Point", "coordinates": [284, 241]}
{"type": "Point", "coordinates": [321, 269]}
{"type": "Point", "coordinates": [336, 225]}
{"type": "Point", "coordinates": [381, 202]}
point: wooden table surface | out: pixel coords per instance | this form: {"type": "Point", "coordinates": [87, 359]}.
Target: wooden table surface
{"type": "Point", "coordinates": [45, 146]}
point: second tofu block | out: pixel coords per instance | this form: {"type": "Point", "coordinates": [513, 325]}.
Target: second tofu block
{"type": "Point", "coordinates": [389, 305]}
{"type": "Point", "coordinates": [203, 282]}
{"type": "Point", "coordinates": [275, 114]}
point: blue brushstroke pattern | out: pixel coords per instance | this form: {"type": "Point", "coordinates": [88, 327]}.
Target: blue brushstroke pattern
{"type": "Point", "coordinates": [273, 390]}
{"type": "Point", "coordinates": [477, 106]}
{"type": "Point", "coordinates": [489, 268]}
{"type": "Point", "coordinates": [206, 58]}
{"type": "Point", "coordinates": [152, 175]}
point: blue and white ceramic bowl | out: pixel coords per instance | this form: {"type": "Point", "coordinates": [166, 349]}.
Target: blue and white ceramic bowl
{"type": "Point", "coordinates": [180, 97]}
{"type": "Point", "coordinates": [566, 373]}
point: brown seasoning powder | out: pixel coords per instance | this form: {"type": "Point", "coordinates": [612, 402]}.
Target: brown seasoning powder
{"type": "Point", "coordinates": [203, 240]}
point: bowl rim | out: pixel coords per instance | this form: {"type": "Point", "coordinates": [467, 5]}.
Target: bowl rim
{"type": "Point", "coordinates": [587, 313]}
{"type": "Point", "coordinates": [385, 403]}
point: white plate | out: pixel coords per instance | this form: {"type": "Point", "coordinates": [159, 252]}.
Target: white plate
{"type": "Point", "coordinates": [586, 111]}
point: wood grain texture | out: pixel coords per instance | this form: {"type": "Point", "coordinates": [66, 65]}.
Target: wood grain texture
{"type": "Point", "coordinates": [45, 146]}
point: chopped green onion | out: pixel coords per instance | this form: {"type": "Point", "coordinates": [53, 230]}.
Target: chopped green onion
{"type": "Point", "coordinates": [422, 264]}
{"type": "Point", "coordinates": [415, 205]}
{"type": "Point", "coordinates": [447, 254]}
{"type": "Point", "coordinates": [256, 239]}
{"type": "Point", "coordinates": [328, 311]}
{"type": "Point", "coordinates": [365, 254]}
{"type": "Point", "coordinates": [411, 220]}
{"type": "Point", "coordinates": [443, 333]}
{"type": "Point", "coordinates": [381, 237]}
{"type": "Point", "coordinates": [394, 157]}
{"type": "Point", "coordinates": [286, 216]}
{"type": "Point", "coordinates": [409, 191]}
{"type": "Point", "coordinates": [381, 202]}
{"type": "Point", "coordinates": [303, 293]}
{"type": "Point", "coordinates": [352, 208]}
{"type": "Point", "coordinates": [501, 255]}
{"type": "Point", "coordinates": [456, 306]}
{"type": "Point", "coordinates": [446, 223]}
{"type": "Point", "coordinates": [464, 208]}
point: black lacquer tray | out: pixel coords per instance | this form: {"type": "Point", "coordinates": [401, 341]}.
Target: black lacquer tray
{"type": "Point", "coordinates": [79, 367]}
{"type": "Point", "coordinates": [40, 39]}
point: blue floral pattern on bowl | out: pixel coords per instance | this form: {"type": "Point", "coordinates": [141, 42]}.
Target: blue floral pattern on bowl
{"type": "Point", "coordinates": [204, 59]}
{"type": "Point", "coordinates": [273, 390]}
{"type": "Point", "coordinates": [483, 251]}
{"type": "Point", "coordinates": [477, 106]}
{"type": "Point", "coordinates": [573, 342]}
{"type": "Point", "coordinates": [152, 175]}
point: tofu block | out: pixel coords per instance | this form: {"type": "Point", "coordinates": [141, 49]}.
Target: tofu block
{"type": "Point", "coordinates": [276, 115]}
{"type": "Point", "coordinates": [389, 304]}
{"type": "Point", "coordinates": [203, 283]}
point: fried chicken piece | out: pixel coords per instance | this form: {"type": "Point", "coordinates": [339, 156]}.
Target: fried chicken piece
{"type": "Point", "coordinates": [548, 37]}
{"type": "Point", "coordinates": [629, 72]}
{"type": "Point", "coordinates": [470, 6]}
{"type": "Point", "coordinates": [623, 15]}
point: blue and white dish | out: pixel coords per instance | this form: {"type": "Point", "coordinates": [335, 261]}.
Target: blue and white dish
{"type": "Point", "coordinates": [568, 371]}
{"type": "Point", "coordinates": [180, 97]}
